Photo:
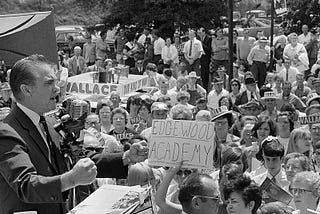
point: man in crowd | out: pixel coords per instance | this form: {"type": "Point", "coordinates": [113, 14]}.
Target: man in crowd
{"type": "Point", "coordinates": [33, 173]}
{"type": "Point", "coordinates": [244, 45]}
{"type": "Point", "coordinates": [144, 35]}
{"type": "Point", "coordinates": [192, 52]}
{"type": "Point", "coordinates": [77, 64]}
{"type": "Point", "coordinates": [199, 194]}
{"type": "Point", "coordinates": [120, 41]}
{"type": "Point", "coordinates": [101, 48]}
{"type": "Point", "coordinates": [288, 97]}
{"type": "Point", "coordinates": [158, 44]}
{"type": "Point", "coordinates": [89, 51]}
{"type": "Point", "coordinates": [6, 99]}
{"type": "Point", "coordinates": [305, 37]}
{"type": "Point", "coordinates": [217, 92]}
{"type": "Point", "coordinates": [206, 57]}
{"type": "Point", "coordinates": [258, 59]}
{"type": "Point", "coordinates": [250, 93]}
{"type": "Point", "coordinates": [288, 73]}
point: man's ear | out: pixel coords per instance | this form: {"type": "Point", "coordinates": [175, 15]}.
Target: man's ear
{"type": "Point", "coordinates": [25, 89]}
{"type": "Point", "coordinates": [195, 202]}
{"type": "Point", "coordinates": [251, 205]}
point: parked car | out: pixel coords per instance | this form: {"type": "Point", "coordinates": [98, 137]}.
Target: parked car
{"type": "Point", "coordinates": [63, 32]}
{"type": "Point", "coordinates": [254, 25]}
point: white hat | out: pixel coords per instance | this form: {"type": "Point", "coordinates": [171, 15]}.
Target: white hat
{"type": "Point", "coordinates": [311, 97]}
{"type": "Point", "coordinates": [193, 74]}
{"type": "Point", "coordinates": [219, 112]}
{"type": "Point", "coordinates": [269, 95]}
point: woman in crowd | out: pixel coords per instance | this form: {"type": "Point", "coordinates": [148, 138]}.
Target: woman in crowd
{"type": "Point", "coordinates": [296, 53]}
{"type": "Point", "coordinates": [300, 142]}
{"type": "Point", "coordinates": [262, 129]}
{"type": "Point", "coordinates": [285, 126]}
{"type": "Point", "coordinates": [145, 114]}
{"type": "Point", "coordinates": [305, 189]}
{"type": "Point", "coordinates": [169, 54]}
{"type": "Point", "coordinates": [104, 108]}
{"type": "Point", "coordinates": [295, 163]}
{"type": "Point", "coordinates": [235, 89]}
{"type": "Point", "coordinates": [119, 120]}
{"type": "Point", "coordinates": [179, 46]}
{"type": "Point", "coordinates": [232, 155]}
{"type": "Point", "coordinates": [133, 105]}
{"type": "Point", "coordinates": [242, 196]}
{"type": "Point", "coordinates": [278, 82]}
{"type": "Point", "coordinates": [183, 98]}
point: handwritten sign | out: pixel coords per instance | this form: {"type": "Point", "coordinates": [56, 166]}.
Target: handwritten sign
{"type": "Point", "coordinates": [175, 140]}
{"type": "Point", "coordinates": [91, 88]}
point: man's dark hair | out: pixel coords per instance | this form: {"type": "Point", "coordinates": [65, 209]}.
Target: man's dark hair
{"type": "Point", "coordinates": [192, 186]}
{"type": "Point", "coordinates": [22, 73]}
{"type": "Point", "coordinates": [249, 191]}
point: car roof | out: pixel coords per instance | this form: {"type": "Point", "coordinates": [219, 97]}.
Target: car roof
{"type": "Point", "coordinates": [70, 28]}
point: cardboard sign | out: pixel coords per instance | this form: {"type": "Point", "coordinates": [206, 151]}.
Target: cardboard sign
{"type": "Point", "coordinates": [175, 140]}
{"type": "Point", "coordinates": [272, 192]}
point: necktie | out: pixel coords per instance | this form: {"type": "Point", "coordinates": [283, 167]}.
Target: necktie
{"type": "Point", "coordinates": [190, 48]}
{"type": "Point", "coordinates": [287, 74]}
{"type": "Point", "coordinates": [252, 96]}
{"type": "Point", "coordinates": [273, 179]}
{"type": "Point", "coordinates": [45, 130]}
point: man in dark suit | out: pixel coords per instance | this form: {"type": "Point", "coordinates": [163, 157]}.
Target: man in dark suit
{"type": "Point", "coordinates": [33, 174]}
{"type": "Point", "coordinates": [206, 57]}
{"type": "Point", "coordinates": [138, 69]}
{"type": "Point", "coordinates": [250, 92]}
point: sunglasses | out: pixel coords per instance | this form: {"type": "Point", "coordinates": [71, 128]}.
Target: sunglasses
{"type": "Point", "coordinates": [184, 172]}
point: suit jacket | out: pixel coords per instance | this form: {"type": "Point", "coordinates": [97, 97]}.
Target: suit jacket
{"type": "Point", "coordinates": [28, 180]}
{"type": "Point", "coordinates": [206, 45]}
{"type": "Point", "coordinates": [135, 71]}
{"type": "Point", "coordinates": [72, 67]}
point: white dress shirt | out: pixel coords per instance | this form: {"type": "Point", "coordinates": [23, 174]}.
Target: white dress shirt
{"type": "Point", "coordinates": [195, 50]}
{"type": "Point", "coordinates": [292, 73]}
{"type": "Point", "coordinates": [35, 118]}
{"type": "Point", "coordinates": [213, 98]}
{"type": "Point", "coordinates": [169, 53]}
{"type": "Point", "coordinates": [158, 45]}
{"type": "Point", "coordinates": [304, 39]}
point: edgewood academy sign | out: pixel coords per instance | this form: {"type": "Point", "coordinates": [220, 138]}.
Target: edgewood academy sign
{"type": "Point", "coordinates": [173, 141]}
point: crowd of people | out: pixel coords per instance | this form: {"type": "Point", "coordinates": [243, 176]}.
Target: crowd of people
{"type": "Point", "coordinates": [266, 124]}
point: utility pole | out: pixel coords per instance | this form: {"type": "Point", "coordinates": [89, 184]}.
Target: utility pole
{"type": "Point", "coordinates": [271, 34]}
{"type": "Point", "coordinates": [230, 36]}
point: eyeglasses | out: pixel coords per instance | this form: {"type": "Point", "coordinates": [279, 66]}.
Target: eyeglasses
{"type": "Point", "coordinates": [234, 85]}
{"type": "Point", "coordinates": [185, 172]}
{"type": "Point", "coordinates": [298, 191]}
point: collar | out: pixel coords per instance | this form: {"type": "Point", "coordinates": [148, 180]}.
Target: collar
{"type": "Point", "coordinates": [34, 117]}
{"type": "Point", "coordinates": [279, 177]}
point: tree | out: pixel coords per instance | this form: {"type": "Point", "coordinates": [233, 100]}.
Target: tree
{"type": "Point", "coordinates": [167, 15]}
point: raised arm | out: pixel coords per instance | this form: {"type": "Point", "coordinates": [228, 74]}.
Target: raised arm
{"type": "Point", "coordinates": [162, 202]}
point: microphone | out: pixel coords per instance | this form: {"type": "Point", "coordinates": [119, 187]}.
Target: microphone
{"type": "Point", "coordinates": [78, 108]}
